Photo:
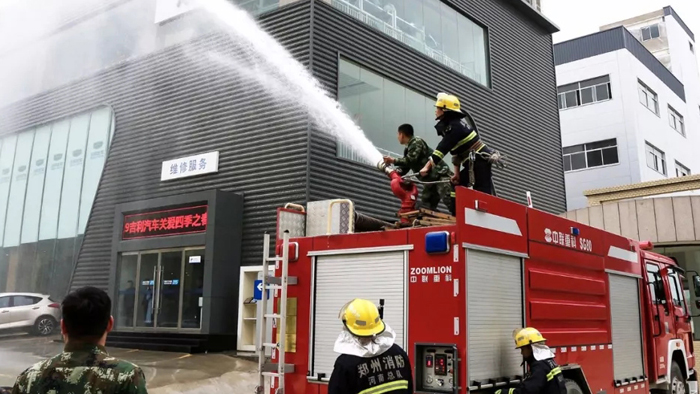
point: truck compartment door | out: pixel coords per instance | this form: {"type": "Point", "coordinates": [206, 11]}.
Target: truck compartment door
{"type": "Point", "coordinates": [339, 279]}
{"type": "Point", "coordinates": [626, 328]}
{"type": "Point", "coordinates": [494, 310]}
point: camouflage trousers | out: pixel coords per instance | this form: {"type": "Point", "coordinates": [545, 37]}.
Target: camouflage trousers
{"type": "Point", "coordinates": [434, 193]}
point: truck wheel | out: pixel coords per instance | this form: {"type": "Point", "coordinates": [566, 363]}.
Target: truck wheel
{"type": "Point", "coordinates": [572, 387]}
{"type": "Point", "coordinates": [677, 380]}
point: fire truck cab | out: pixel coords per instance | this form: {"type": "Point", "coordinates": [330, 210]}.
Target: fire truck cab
{"type": "Point", "coordinates": [613, 312]}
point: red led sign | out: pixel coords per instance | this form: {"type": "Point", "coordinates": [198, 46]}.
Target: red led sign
{"type": "Point", "coordinates": [162, 223]}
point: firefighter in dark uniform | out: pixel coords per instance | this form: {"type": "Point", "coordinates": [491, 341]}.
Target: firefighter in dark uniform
{"type": "Point", "coordinates": [544, 375]}
{"type": "Point", "coordinates": [465, 145]}
{"type": "Point", "coordinates": [369, 362]}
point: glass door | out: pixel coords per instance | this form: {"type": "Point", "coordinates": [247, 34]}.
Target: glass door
{"type": "Point", "coordinates": [168, 302]}
{"type": "Point", "coordinates": [193, 289]}
{"type": "Point", "coordinates": [161, 289]}
{"type": "Point", "coordinates": [148, 279]}
{"type": "Point", "coordinates": [128, 264]}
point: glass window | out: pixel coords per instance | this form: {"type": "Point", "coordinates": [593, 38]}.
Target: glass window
{"type": "Point", "coordinates": [593, 154]}
{"type": "Point", "coordinates": [18, 187]}
{"type": "Point", "coordinates": [587, 95]}
{"type": "Point", "coordinates": [656, 285]}
{"type": "Point", "coordinates": [73, 176]}
{"type": "Point", "coordinates": [578, 161]}
{"type": "Point", "coordinates": [650, 32]}
{"type": "Point", "coordinates": [585, 92]}
{"type": "Point", "coordinates": [100, 124]}
{"type": "Point", "coordinates": [379, 105]}
{"type": "Point", "coordinates": [35, 185]}
{"type": "Point", "coordinates": [676, 291]}
{"type": "Point", "coordinates": [676, 121]}
{"type": "Point", "coordinates": [7, 159]}
{"type": "Point", "coordinates": [429, 26]}
{"type": "Point", "coordinates": [54, 179]}
{"type": "Point", "coordinates": [4, 302]}
{"type": "Point", "coordinates": [24, 300]}
{"type": "Point", "coordinates": [648, 97]}
{"type": "Point", "coordinates": [656, 159]}
{"type": "Point", "coordinates": [682, 170]}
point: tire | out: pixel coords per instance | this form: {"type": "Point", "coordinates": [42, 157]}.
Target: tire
{"type": "Point", "coordinates": [572, 387]}
{"type": "Point", "coordinates": [678, 384]}
{"type": "Point", "coordinates": [45, 325]}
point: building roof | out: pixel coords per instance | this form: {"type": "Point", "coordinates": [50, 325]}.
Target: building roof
{"type": "Point", "coordinates": [532, 13]}
{"type": "Point", "coordinates": [643, 189]}
{"type": "Point", "coordinates": [669, 11]}
{"type": "Point", "coordinates": [612, 40]}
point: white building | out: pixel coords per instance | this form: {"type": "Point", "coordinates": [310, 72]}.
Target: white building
{"type": "Point", "coordinates": [629, 99]}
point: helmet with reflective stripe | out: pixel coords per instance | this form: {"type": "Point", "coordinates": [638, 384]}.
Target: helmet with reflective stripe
{"type": "Point", "coordinates": [527, 336]}
{"type": "Point", "coordinates": [448, 102]}
{"type": "Point", "coordinates": [361, 318]}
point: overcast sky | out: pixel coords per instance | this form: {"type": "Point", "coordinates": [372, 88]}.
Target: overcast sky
{"type": "Point", "coordinates": [580, 17]}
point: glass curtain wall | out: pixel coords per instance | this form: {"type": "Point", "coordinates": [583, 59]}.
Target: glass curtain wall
{"type": "Point", "coordinates": [379, 105]}
{"type": "Point", "coordinates": [48, 180]}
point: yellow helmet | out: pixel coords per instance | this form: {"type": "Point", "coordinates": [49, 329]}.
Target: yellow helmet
{"type": "Point", "coordinates": [448, 102]}
{"type": "Point", "coordinates": [361, 318]}
{"type": "Point", "coordinates": [527, 336]}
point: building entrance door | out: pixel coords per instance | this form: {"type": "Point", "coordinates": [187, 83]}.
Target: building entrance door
{"type": "Point", "coordinates": [160, 290]}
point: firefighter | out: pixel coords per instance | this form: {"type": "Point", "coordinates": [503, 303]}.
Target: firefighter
{"type": "Point", "coordinates": [465, 145]}
{"type": "Point", "coordinates": [369, 359]}
{"type": "Point", "coordinates": [415, 155]}
{"type": "Point", "coordinates": [544, 375]}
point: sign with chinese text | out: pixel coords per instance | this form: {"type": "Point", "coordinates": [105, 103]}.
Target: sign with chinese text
{"type": "Point", "coordinates": [204, 163]}
{"type": "Point", "coordinates": [165, 222]}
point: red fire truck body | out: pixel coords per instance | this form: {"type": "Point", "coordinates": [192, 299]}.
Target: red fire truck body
{"type": "Point", "coordinates": [613, 313]}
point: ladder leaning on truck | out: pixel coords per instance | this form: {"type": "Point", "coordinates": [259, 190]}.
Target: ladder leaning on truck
{"type": "Point", "coordinates": [613, 312]}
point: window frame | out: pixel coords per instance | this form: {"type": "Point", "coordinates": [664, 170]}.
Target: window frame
{"type": "Point", "coordinates": [586, 151]}
{"type": "Point", "coordinates": [651, 149]}
{"type": "Point", "coordinates": [674, 119]}
{"type": "Point", "coordinates": [35, 300]}
{"type": "Point", "coordinates": [677, 290]}
{"type": "Point", "coordinates": [682, 167]}
{"type": "Point", "coordinates": [433, 55]}
{"type": "Point", "coordinates": [642, 87]}
{"type": "Point", "coordinates": [658, 284]}
{"type": "Point", "coordinates": [649, 30]}
{"type": "Point", "coordinates": [561, 96]}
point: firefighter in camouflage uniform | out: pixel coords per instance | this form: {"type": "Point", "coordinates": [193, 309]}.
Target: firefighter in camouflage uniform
{"type": "Point", "coordinates": [415, 156]}
{"type": "Point", "coordinates": [84, 366]}
{"type": "Point", "coordinates": [544, 375]}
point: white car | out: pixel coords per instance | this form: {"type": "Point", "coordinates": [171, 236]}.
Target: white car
{"type": "Point", "coordinates": [36, 313]}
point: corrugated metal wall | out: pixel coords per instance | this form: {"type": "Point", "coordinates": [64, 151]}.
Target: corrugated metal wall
{"type": "Point", "coordinates": [169, 105]}
{"type": "Point", "coordinates": [518, 116]}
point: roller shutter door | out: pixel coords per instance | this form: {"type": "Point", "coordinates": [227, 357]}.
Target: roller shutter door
{"type": "Point", "coordinates": [626, 327]}
{"type": "Point", "coordinates": [339, 279]}
{"type": "Point", "coordinates": [495, 309]}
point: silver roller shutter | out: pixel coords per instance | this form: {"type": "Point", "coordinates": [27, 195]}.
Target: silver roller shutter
{"type": "Point", "coordinates": [495, 309]}
{"type": "Point", "coordinates": [339, 279]}
{"type": "Point", "coordinates": [626, 327]}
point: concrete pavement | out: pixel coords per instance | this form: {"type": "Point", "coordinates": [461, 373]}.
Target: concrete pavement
{"type": "Point", "coordinates": [166, 373]}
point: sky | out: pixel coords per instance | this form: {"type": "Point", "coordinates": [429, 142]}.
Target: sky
{"type": "Point", "coordinates": [576, 18]}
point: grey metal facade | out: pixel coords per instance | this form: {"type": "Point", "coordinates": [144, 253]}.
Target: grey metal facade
{"type": "Point", "coordinates": [518, 115]}
{"type": "Point", "coordinates": [612, 40]}
{"type": "Point", "coordinates": [170, 104]}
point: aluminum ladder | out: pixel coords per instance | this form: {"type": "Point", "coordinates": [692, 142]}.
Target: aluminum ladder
{"type": "Point", "coordinates": [271, 370]}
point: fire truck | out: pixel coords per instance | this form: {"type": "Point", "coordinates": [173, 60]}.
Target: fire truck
{"type": "Point", "coordinates": [612, 311]}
